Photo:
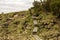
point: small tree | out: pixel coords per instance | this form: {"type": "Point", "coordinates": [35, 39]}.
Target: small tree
{"type": "Point", "coordinates": [55, 7]}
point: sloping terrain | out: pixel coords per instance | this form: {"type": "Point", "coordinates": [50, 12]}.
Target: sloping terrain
{"type": "Point", "coordinates": [38, 23]}
{"type": "Point", "coordinates": [20, 26]}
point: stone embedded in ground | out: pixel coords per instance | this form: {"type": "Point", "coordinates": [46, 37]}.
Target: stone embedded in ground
{"type": "Point", "coordinates": [35, 22]}
{"type": "Point", "coordinates": [35, 30]}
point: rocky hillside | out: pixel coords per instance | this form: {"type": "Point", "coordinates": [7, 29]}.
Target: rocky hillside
{"type": "Point", "coordinates": [30, 25]}
{"type": "Point", "coordinates": [23, 25]}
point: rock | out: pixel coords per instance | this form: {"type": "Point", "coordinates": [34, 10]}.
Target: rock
{"type": "Point", "coordinates": [35, 30]}
{"type": "Point", "coordinates": [35, 18]}
{"type": "Point", "coordinates": [59, 38]}
{"type": "Point", "coordinates": [35, 22]}
{"type": "Point", "coordinates": [37, 37]}
{"type": "Point", "coordinates": [55, 38]}
{"type": "Point", "coordinates": [15, 15]}
{"type": "Point", "coordinates": [0, 18]}
{"type": "Point", "coordinates": [51, 39]}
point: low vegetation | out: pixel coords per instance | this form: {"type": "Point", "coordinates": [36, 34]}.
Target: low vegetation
{"type": "Point", "coordinates": [44, 16]}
